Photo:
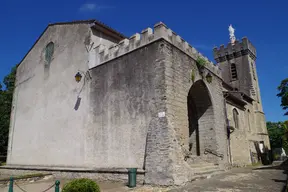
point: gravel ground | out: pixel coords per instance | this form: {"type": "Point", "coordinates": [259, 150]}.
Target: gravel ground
{"type": "Point", "coordinates": [264, 179]}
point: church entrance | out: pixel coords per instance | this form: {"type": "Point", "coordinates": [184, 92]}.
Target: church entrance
{"type": "Point", "coordinates": [201, 121]}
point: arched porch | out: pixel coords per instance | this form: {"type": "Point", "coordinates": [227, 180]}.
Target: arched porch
{"type": "Point", "coordinates": [202, 135]}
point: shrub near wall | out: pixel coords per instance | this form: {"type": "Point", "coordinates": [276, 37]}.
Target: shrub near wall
{"type": "Point", "coordinates": [81, 185]}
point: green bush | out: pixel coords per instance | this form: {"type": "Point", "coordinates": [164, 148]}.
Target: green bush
{"type": "Point", "coordinates": [81, 185]}
{"type": "Point", "coordinates": [201, 62]}
{"type": "Point", "coordinates": [276, 156]}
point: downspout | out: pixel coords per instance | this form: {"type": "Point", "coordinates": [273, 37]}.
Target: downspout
{"type": "Point", "coordinates": [227, 127]}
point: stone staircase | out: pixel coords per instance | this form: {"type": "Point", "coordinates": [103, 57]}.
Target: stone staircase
{"type": "Point", "coordinates": [204, 168]}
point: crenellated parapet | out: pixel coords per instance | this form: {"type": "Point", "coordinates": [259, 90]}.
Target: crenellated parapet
{"type": "Point", "coordinates": [233, 51]}
{"type": "Point", "coordinates": [102, 54]}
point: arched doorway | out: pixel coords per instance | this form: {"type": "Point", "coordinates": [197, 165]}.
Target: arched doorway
{"type": "Point", "coordinates": [201, 120]}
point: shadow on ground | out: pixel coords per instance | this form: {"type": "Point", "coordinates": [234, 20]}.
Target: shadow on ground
{"type": "Point", "coordinates": [283, 166]}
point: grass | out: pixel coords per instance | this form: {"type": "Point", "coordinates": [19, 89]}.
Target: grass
{"type": "Point", "coordinates": [32, 175]}
{"type": "Point", "coordinates": [254, 164]}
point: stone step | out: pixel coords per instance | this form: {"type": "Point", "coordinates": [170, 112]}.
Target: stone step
{"type": "Point", "coordinates": [206, 175]}
{"type": "Point", "coordinates": [204, 168]}
{"type": "Point", "coordinates": [202, 165]}
{"type": "Point", "coordinates": [201, 171]}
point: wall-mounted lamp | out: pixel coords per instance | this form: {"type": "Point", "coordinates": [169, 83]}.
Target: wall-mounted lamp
{"type": "Point", "coordinates": [78, 77]}
{"type": "Point", "coordinates": [209, 78]}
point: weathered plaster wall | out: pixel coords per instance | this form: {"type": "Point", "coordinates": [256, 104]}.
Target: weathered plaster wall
{"type": "Point", "coordinates": [99, 37]}
{"type": "Point", "coordinates": [125, 98]}
{"type": "Point", "coordinates": [239, 144]}
{"type": "Point", "coordinates": [45, 128]}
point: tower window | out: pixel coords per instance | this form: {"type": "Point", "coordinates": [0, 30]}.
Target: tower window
{"type": "Point", "coordinates": [49, 50]}
{"type": "Point", "coordinates": [248, 118]}
{"type": "Point", "coordinates": [233, 72]}
{"type": "Point", "coordinates": [236, 118]}
{"type": "Point", "coordinates": [253, 71]}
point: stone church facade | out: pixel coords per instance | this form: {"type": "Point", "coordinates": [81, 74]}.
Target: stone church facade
{"type": "Point", "coordinates": [142, 102]}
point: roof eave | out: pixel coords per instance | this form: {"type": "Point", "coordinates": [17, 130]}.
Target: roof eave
{"type": "Point", "coordinates": [235, 99]}
{"type": "Point", "coordinates": [107, 29]}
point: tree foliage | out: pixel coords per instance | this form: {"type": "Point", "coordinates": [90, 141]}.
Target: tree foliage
{"type": "Point", "coordinates": [6, 95]}
{"type": "Point", "coordinates": [283, 93]}
{"type": "Point", "coordinates": [275, 131]}
{"type": "Point", "coordinates": [278, 134]}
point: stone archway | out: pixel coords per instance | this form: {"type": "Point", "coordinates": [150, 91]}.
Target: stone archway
{"type": "Point", "coordinates": [201, 120]}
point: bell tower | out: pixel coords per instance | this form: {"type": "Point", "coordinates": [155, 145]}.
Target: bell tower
{"type": "Point", "coordinates": [237, 62]}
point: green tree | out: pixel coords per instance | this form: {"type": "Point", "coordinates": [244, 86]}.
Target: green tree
{"type": "Point", "coordinates": [275, 131]}
{"type": "Point", "coordinates": [285, 136]}
{"type": "Point", "coordinates": [283, 93]}
{"type": "Point", "coordinates": [278, 134]}
{"type": "Point", "coordinates": [6, 95]}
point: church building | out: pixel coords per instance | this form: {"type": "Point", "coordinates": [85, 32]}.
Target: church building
{"type": "Point", "coordinates": [88, 98]}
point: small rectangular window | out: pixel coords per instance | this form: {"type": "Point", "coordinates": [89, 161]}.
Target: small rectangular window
{"type": "Point", "coordinates": [253, 71]}
{"type": "Point", "coordinates": [234, 75]}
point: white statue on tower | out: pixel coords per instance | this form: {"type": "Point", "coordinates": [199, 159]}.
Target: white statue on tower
{"type": "Point", "coordinates": [231, 33]}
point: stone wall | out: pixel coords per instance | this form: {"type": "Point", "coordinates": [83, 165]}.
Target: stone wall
{"type": "Point", "coordinates": [102, 53]}
{"type": "Point", "coordinates": [178, 71]}
{"type": "Point", "coordinates": [239, 144]}
{"type": "Point", "coordinates": [242, 140]}
{"type": "Point", "coordinates": [99, 175]}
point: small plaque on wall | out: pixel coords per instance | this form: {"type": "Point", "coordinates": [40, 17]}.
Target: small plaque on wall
{"type": "Point", "coordinates": [161, 114]}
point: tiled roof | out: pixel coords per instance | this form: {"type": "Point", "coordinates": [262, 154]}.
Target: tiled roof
{"type": "Point", "coordinates": [90, 21]}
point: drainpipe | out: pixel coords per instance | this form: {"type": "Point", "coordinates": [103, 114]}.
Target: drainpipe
{"type": "Point", "coordinates": [227, 125]}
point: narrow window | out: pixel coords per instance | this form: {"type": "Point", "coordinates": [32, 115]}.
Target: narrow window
{"type": "Point", "coordinates": [253, 71]}
{"type": "Point", "coordinates": [234, 72]}
{"type": "Point", "coordinates": [248, 118]}
{"type": "Point", "coordinates": [257, 95]}
{"type": "Point", "coordinates": [49, 50]}
{"type": "Point", "coordinates": [236, 118]}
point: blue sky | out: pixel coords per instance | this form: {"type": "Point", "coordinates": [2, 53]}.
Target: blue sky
{"type": "Point", "coordinates": [202, 23]}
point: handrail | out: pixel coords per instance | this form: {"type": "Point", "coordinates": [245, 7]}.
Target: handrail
{"type": "Point", "coordinates": [206, 151]}
{"type": "Point", "coordinates": [12, 183]}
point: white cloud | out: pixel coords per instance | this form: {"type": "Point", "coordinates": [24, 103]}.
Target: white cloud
{"type": "Point", "coordinates": [203, 47]}
{"type": "Point", "coordinates": [90, 7]}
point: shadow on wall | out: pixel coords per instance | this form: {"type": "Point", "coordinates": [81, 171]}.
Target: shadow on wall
{"type": "Point", "coordinates": [200, 117]}
{"type": "Point", "coordinates": [77, 104]}
{"type": "Point", "coordinates": [263, 155]}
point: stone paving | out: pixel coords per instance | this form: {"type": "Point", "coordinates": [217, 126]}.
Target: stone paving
{"type": "Point", "coordinates": [264, 179]}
